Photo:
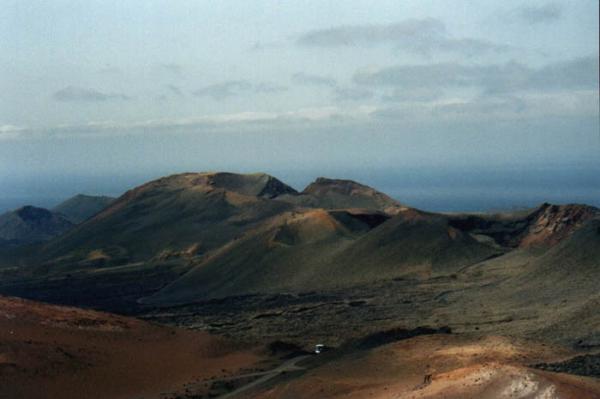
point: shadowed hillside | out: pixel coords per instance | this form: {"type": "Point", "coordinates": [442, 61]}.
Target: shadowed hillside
{"type": "Point", "coordinates": [29, 224]}
{"type": "Point", "coordinates": [290, 252]}
{"type": "Point", "coordinates": [546, 225]}
{"type": "Point", "coordinates": [195, 236]}
{"type": "Point", "coordinates": [316, 250]}
{"type": "Point", "coordinates": [81, 207]}
{"type": "Point", "coordinates": [535, 292]}
{"type": "Point", "coordinates": [248, 257]}
{"type": "Point", "coordinates": [189, 213]}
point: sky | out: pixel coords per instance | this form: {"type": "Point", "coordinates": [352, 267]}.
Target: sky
{"type": "Point", "coordinates": [461, 105]}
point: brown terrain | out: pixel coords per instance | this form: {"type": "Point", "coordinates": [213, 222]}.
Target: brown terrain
{"type": "Point", "coordinates": [438, 366]}
{"type": "Point", "coordinates": [244, 274]}
{"type": "Point", "coordinates": [62, 352]}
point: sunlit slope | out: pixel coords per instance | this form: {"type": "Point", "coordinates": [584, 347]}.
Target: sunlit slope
{"type": "Point", "coordinates": [337, 193]}
{"type": "Point", "coordinates": [192, 212]}
{"type": "Point", "coordinates": [318, 249]}
{"type": "Point", "coordinates": [544, 292]}
{"type": "Point", "coordinates": [412, 243]}
{"type": "Point", "coordinates": [286, 254]}
{"type": "Point", "coordinates": [49, 351]}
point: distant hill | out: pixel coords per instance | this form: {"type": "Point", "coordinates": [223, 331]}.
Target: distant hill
{"type": "Point", "coordinates": [81, 207]}
{"type": "Point", "coordinates": [551, 224]}
{"type": "Point", "coordinates": [30, 224]}
{"type": "Point", "coordinates": [338, 194]}
{"type": "Point", "coordinates": [320, 249]}
{"type": "Point", "coordinates": [186, 214]}
{"type": "Point", "coordinates": [194, 236]}
{"type": "Point", "coordinates": [287, 253]}
{"type": "Point", "coordinates": [558, 280]}
{"type": "Point", "coordinates": [546, 225]}
{"type": "Point", "coordinates": [192, 214]}
{"type": "Point", "coordinates": [339, 263]}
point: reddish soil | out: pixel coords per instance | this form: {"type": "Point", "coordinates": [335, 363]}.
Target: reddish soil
{"type": "Point", "coordinates": [439, 366]}
{"type": "Point", "coordinates": [61, 352]}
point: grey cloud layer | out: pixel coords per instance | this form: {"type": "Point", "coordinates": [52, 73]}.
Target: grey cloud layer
{"type": "Point", "coordinates": [338, 92]}
{"type": "Point", "coordinates": [480, 109]}
{"type": "Point", "coordinates": [175, 90]}
{"type": "Point", "coordinates": [576, 74]}
{"type": "Point", "coordinates": [85, 95]}
{"type": "Point", "coordinates": [174, 69]}
{"type": "Point", "coordinates": [313, 80]}
{"type": "Point", "coordinates": [415, 95]}
{"type": "Point", "coordinates": [352, 35]}
{"type": "Point", "coordinates": [352, 93]}
{"type": "Point", "coordinates": [224, 90]}
{"type": "Point", "coordinates": [539, 14]}
{"type": "Point", "coordinates": [415, 35]}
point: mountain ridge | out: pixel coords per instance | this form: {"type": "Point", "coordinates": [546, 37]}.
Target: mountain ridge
{"type": "Point", "coordinates": [206, 235]}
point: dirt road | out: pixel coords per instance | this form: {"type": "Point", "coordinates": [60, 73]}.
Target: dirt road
{"type": "Point", "coordinates": [290, 365]}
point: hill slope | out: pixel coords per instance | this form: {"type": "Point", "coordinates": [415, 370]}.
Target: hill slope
{"type": "Point", "coordinates": [81, 207]}
{"type": "Point", "coordinates": [29, 224]}
{"type": "Point", "coordinates": [190, 213]}
{"type": "Point", "coordinates": [288, 253]}
{"type": "Point", "coordinates": [544, 226]}
{"type": "Point", "coordinates": [338, 194]}
{"type": "Point", "coordinates": [198, 236]}
{"type": "Point", "coordinates": [63, 352]}
{"type": "Point", "coordinates": [320, 249]}
{"type": "Point", "coordinates": [538, 291]}
{"type": "Point", "coordinates": [412, 243]}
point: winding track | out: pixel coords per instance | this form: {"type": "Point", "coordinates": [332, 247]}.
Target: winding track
{"type": "Point", "coordinates": [290, 365]}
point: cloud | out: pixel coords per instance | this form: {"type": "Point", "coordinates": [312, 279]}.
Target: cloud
{"type": "Point", "coordinates": [418, 94]}
{"type": "Point", "coordinates": [352, 93]}
{"type": "Point", "coordinates": [12, 131]}
{"type": "Point", "coordinates": [421, 36]}
{"type": "Point", "coordinates": [6, 129]}
{"type": "Point", "coordinates": [110, 70]}
{"type": "Point", "coordinates": [439, 112]}
{"type": "Point", "coordinates": [338, 92]}
{"type": "Point", "coordinates": [465, 46]}
{"type": "Point", "coordinates": [262, 46]}
{"type": "Point", "coordinates": [409, 94]}
{"type": "Point", "coordinates": [233, 88]}
{"type": "Point", "coordinates": [221, 91]}
{"type": "Point", "coordinates": [313, 80]}
{"type": "Point", "coordinates": [175, 90]}
{"type": "Point", "coordinates": [268, 88]}
{"type": "Point", "coordinates": [84, 95]}
{"type": "Point", "coordinates": [539, 14]}
{"type": "Point", "coordinates": [482, 107]}
{"type": "Point", "coordinates": [170, 92]}
{"type": "Point", "coordinates": [171, 68]}
{"type": "Point", "coordinates": [420, 76]}
{"type": "Point", "coordinates": [577, 74]}
{"type": "Point", "coordinates": [489, 109]}
{"type": "Point", "coordinates": [354, 35]}
{"type": "Point", "coordinates": [234, 122]}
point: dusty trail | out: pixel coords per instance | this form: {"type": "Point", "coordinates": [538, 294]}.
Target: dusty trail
{"type": "Point", "coordinates": [290, 365]}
